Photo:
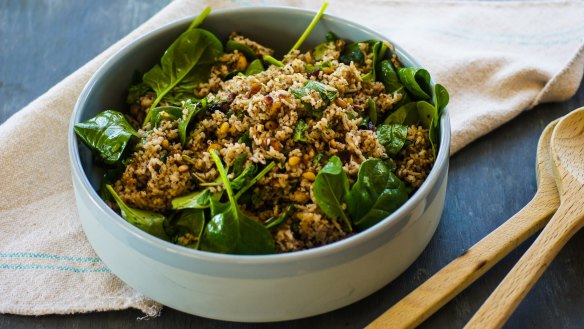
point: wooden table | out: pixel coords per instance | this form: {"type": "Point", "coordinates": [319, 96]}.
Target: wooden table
{"type": "Point", "coordinates": [44, 41]}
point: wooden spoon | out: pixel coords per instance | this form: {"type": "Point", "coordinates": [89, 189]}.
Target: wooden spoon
{"type": "Point", "coordinates": [416, 307]}
{"type": "Point", "coordinates": [567, 149]}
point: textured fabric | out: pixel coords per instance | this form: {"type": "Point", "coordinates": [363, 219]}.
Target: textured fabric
{"type": "Point", "coordinates": [496, 59]}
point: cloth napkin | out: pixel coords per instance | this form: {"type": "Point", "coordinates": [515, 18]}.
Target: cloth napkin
{"type": "Point", "coordinates": [497, 59]}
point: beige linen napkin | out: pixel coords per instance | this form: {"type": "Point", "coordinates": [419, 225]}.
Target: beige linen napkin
{"type": "Point", "coordinates": [496, 59]}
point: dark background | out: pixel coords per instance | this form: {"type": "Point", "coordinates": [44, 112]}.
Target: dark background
{"type": "Point", "coordinates": [43, 41]}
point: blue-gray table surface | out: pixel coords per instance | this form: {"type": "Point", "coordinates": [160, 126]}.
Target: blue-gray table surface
{"type": "Point", "coordinates": [43, 41]}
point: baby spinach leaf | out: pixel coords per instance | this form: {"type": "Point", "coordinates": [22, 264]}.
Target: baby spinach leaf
{"type": "Point", "coordinates": [441, 98]}
{"type": "Point", "coordinates": [194, 47]}
{"type": "Point", "coordinates": [406, 114]}
{"type": "Point", "coordinates": [327, 93]}
{"type": "Point", "coordinates": [232, 45]}
{"type": "Point", "coordinates": [230, 230]}
{"type": "Point", "coordinates": [200, 18]}
{"type": "Point", "coordinates": [135, 91]}
{"type": "Point", "coordinates": [193, 109]}
{"type": "Point", "coordinates": [352, 53]}
{"type": "Point", "coordinates": [195, 200]}
{"type": "Point", "coordinates": [245, 139]}
{"type": "Point", "coordinates": [254, 180]}
{"type": "Point", "coordinates": [276, 221]}
{"type": "Point", "coordinates": [330, 187]}
{"type": "Point", "coordinates": [271, 60]}
{"type": "Point", "coordinates": [372, 111]}
{"type": "Point", "coordinates": [147, 221]}
{"type": "Point", "coordinates": [187, 226]}
{"type": "Point", "coordinates": [428, 113]}
{"type": "Point", "coordinates": [238, 164]}
{"type": "Point", "coordinates": [375, 195]}
{"type": "Point", "coordinates": [107, 135]}
{"type": "Point", "coordinates": [299, 131]}
{"type": "Point", "coordinates": [416, 81]}
{"type": "Point", "coordinates": [392, 137]}
{"type": "Point", "coordinates": [254, 67]}
{"type": "Point", "coordinates": [388, 76]}
{"type": "Point", "coordinates": [244, 177]}
{"type": "Point", "coordinates": [375, 49]}
{"type": "Point", "coordinates": [164, 112]}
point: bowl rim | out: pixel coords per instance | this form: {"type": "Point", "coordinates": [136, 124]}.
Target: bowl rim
{"type": "Point", "coordinates": [322, 251]}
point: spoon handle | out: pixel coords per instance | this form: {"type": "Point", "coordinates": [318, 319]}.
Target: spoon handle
{"type": "Point", "coordinates": [511, 291]}
{"type": "Point", "coordinates": [421, 303]}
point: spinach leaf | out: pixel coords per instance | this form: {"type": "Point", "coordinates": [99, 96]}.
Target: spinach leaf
{"type": "Point", "coordinates": [244, 177]}
{"type": "Point", "coordinates": [310, 27]}
{"type": "Point", "coordinates": [187, 227]}
{"type": "Point", "coordinates": [276, 221]}
{"type": "Point", "coordinates": [388, 76]}
{"type": "Point", "coordinates": [194, 47]}
{"type": "Point", "coordinates": [254, 180]}
{"type": "Point", "coordinates": [375, 195]}
{"type": "Point", "coordinates": [352, 53]}
{"type": "Point", "coordinates": [254, 67]}
{"type": "Point", "coordinates": [406, 114]}
{"type": "Point", "coordinates": [230, 230]}
{"type": "Point", "coordinates": [416, 81]}
{"type": "Point", "coordinates": [313, 68]}
{"type": "Point", "coordinates": [195, 200]}
{"type": "Point", "coordinates": [375, 49]}
{"type": "Point", "coordinates": [327, 93]}
{"type": "Point", "coordinates": [330, 187]}
{"type": "Point", "coordinates": [193, 109]}
{"type": "Point", "coordinates": [199, 19]}
{"type": "Point", "coordinates": [271, 60]}
{"type": "Point", "coordinates": [428, 113]}
{"type": "Point", "coordinates": [232, 45]}
{"type": "Point", "coordinates": [147, 221]}
{"type": "Point", "coordinates": [372, 111]}
{"type": "Point", "coordinates": [392, 137]}
{"type": "Point", "coordinates": [164, 112]}
{"type": "Point", "coordinates": [135, 91]}
{"type": "Point", "coordinates": [107, 135]}
{"type": "Point", "coordinates": [441, 98]}
{"type": "Point", "coordinates": [245, 139]}
{"type": "Point", "coordinates": [299, 131]}
{"type": "Point", "coordinates": [238, 164]}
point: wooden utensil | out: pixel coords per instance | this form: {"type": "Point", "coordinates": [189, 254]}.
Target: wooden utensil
{"type": "Point", "coordinates": [464, 270]}
{"type": "Point", "coordinates": [567, 149]}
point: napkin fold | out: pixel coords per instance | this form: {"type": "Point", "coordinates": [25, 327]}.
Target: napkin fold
{"type": "Point", "coordinates": [497, 59]}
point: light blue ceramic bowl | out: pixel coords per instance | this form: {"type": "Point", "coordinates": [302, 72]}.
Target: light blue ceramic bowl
{"type": "Point", "coordinates": [248, 288]}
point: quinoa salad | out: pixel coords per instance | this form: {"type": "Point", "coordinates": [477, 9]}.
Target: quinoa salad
{"type": "Point", "coordinates": [250, 154]}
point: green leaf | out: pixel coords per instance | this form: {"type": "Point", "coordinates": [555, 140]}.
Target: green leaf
{"type": "Point", "coordinates": [330, 187]}
{"type": "Point", "coordinates": [238, 164]}
{"type": "Point", "coordinates": [406, 114]}
{"type": "Point", "coordinates": [277, 221]}
{"type": "Point", "coordinates": [199, 19]}
{"type": "Point", "coordinates": [107, 135]}
{"type": "Point", "coordinates": [244, 177]}
{"type": "Point", "coordinates": [254, 67]}
{"type": "Point", "coordinates": [416, 81]}
{"type": "Point", "coordinates": [230, 230]}
{"type": "Point", "coordinates": [375, 195]}
{"type": "Point", "coordinates": [194, 47]}
{"type": "Point", "coordinates": [327, 93]}
{"type": "Point", "coordinates": [299, 131]}
{"type": "Point", "coordinates": [193, 109]}
{"type": "Point", "coordinates": [372, 111]}
{"type": "Point", "coordinates": [392, 137]}
{"type": "Point", "coordinates": [188, 224]}
{"type": "Point", "coordinates": [195, 200]}
{"type": "Point", "coordinates": [136, 91]}
{"type": "Point", "coordinates": [441, 98]}
{"type": "Point", "coordinates": [164, 112]}
{"type": "Point", "coordinates": [147, 221]}
{"type": "Point", "coordinates": [427, 113]}
{"type": "Point", "coordinates": [388, 76]}
{"type": "Point", "coordinates": [245, 139]}
{"type": "Point", "coordinates": [352, 53]}
{"type": "Point", "coordinates": [375, 49]}
{"type": "Point", "coordinates": [232, 45]}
